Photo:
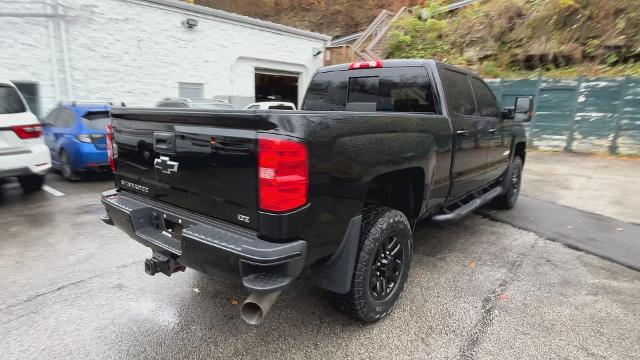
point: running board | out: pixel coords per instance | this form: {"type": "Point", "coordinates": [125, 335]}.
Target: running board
{"type": "Point", "coordinates": [465, 210]}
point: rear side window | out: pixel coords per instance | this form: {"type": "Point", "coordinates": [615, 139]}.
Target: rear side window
{"type": "Point", "coordinates": [10, 101]}
{"type": "Point", "coordinates": [66, 118]}
{"type": "Point", "coordinates": [327, 92]}
{"type": "Point", "coordinates": [96, 120]}
{"type": "Point", "coordinates": [406, 90]}
{"type": "Point", "coordinates": [487, 104]}
{"type": "Point", "coordinates": [281, 107]}
{"type": "Point", "coordinates": [458, 90]}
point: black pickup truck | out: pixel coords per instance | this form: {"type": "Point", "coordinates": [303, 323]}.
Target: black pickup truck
{"type": "Point", "coordinates": [334, 189]}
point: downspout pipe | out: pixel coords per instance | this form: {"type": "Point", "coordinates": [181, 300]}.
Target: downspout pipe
{"type": "Point", "coordinates": [53, 51]}
{"type": "Point", "coordinates": [65, 53]}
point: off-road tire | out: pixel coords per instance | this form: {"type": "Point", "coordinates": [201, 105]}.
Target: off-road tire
{"type": "Point", "coordinates": [512, 184]}
{"type": "Point", "coordinates": [378, 224]}
{"type": "Point", "coordinates": [31, 183]}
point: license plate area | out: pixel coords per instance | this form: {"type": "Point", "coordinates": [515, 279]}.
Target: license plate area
{"type": "Point", "coordinates": [173, 228]}
{"type": "Point", "coordinates": [161, 229]}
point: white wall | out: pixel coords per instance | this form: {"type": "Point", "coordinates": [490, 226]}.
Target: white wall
{"type": "Point", "coordinates": [137, 52]}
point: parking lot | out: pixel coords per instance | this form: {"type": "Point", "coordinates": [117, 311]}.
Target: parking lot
{"type": "Point", "coordinates": [75, 288]}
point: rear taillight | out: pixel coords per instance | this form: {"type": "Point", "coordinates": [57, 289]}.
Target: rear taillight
{"type": "Point", "coordinates": [31, 131]}
{"type": "Point", "coordinates": [112, 160]}
{"type": "Point", "coordinates": [365, 65]}
{"type": "Point", "coordinates": [85, 138]}
{"type": "Point", "coordinates": [283, 174]}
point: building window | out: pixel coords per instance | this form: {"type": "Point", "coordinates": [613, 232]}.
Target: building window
{"type": "Point", "coordinates": [29, 91]}
{"type": "Point", "coordinates": [191, 90]}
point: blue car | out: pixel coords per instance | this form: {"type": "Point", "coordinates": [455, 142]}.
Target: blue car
{"type": "Point", "coordinates": [76, 136]}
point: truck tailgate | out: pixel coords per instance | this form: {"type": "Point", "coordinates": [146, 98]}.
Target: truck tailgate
{"type": "Point", "coordinates": [204, 162]}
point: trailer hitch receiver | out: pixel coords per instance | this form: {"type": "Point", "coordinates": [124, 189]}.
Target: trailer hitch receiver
{"type": "Point", "coordinates": [163, 264]}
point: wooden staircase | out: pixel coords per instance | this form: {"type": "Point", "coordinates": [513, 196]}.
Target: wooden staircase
{"type": "Point", "coordinates": [369, 44]}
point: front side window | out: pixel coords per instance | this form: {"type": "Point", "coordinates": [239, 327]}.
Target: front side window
{"type": "Point", "coordinates": [66, 118]}
{"type": "Point", "coordinates": [52, 118]}
{"type": "Point", "coordinates": [458, 90]}
{"type": "Point", "coordinates": [10, 101]}
{"type": "Point", "coordinates": [487, 104]}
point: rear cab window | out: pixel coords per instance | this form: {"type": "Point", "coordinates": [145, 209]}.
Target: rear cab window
{"type": "Point", "coordinates": [10, 100]}
{"type": "Point", "coordinates": [402, 89]}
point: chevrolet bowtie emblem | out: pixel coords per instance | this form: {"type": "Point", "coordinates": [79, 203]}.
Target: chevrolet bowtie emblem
{"type": "Point", "coordinates": [166, 165]}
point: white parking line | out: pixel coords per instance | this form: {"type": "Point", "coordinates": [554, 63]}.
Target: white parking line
{"type": "Point", "coordinates": [52, 191]}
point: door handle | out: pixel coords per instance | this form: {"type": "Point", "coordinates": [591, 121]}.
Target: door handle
{"type": "Point", "coordinates": [462, 132]}
{"type": "Point", "coordinates": [491, 131]}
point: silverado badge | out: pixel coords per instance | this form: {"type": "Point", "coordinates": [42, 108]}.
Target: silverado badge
{"type": "Point", "coordinates": [166, 165]}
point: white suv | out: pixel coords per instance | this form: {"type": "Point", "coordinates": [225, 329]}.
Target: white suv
{"type": "Point", "coordinates": [273, 105]}
{"type": "Point", "coordinates": [23, 153]}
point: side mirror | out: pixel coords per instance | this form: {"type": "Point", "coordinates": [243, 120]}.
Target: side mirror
{"type": "Point", "coordinates": [523, 110]}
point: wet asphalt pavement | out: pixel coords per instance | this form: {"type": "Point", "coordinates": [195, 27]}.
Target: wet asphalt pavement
{"type": "Point", "coordinates": [73, 287]}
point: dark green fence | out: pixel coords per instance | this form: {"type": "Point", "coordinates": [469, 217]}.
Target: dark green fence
{"type": "Point", "coordinates": [582, 115]}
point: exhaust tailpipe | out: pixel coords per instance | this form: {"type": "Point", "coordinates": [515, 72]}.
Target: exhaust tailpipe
{"type": "Point", "coordinates": [256, 307]}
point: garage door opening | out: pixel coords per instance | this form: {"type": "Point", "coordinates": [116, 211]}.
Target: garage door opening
{"type": "Point", "coordinates": [278, 86]}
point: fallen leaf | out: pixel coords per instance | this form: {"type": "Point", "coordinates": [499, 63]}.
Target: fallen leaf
{"type": "Point", "coordinates": [233, 301]}
{"type": "Point", "coordinates": [472, 264]}
{"type": "Point", "coordinates": [503, 297]}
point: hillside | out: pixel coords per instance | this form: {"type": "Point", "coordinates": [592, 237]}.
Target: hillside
{"type": "Point", "coordinates": [562, 38]}
{"type": "Point", "coordinates": [510, 38]}
{"type": "Point", "coordinates": [331, 17]}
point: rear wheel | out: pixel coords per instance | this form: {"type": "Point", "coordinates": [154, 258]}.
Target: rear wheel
{"type": "Point", "coordinates": [65, 167]}
{"type": "Point", "coordinates": [31, 183]}
{"type": "Point", "coordinates": [382, 265]}
{"type": "Point", "coordinates": [512, 184]}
